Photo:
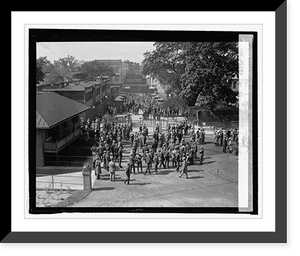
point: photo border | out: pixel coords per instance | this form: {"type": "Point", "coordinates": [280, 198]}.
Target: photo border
{"type": "Point", "coordinates": [116, 35]}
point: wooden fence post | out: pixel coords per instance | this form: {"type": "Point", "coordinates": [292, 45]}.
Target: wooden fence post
{"type": "Point", "coordinates": [87, 179]}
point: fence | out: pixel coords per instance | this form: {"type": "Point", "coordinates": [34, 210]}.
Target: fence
{"type": "Point", "coordinates": [63, 181]}
{"type": "Point", "coordinates": [65, 178]}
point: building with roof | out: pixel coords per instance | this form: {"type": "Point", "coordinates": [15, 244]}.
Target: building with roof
{"type": "Point", "coordinates": [57, 123]}
{"type": "Point", "coordinates": [94, 94]}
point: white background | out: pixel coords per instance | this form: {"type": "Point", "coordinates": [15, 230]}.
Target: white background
{"type": "Point", "coordinates": [263, 22]}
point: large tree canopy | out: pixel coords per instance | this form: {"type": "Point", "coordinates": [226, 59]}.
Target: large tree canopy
{"type": "Point", "coordinates": [40, 75]}
{"type": "Point", "coordinates": [191, 68]}
{"type": "Point", "coordinates": [59, 71]}
{"type": "Point", "coordinates": [209, 68]}
{"type": "Point", "coordinates": [93, 69]}
{"type": "Point", "coordinates": [166, 63]}
{"type": "Point", "coordinates": [64, 69]}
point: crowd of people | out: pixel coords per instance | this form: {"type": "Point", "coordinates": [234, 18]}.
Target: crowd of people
{"type": "Point", "coordinates": [228, 139]}
{"type": "Point", "coordinates": [149, 106]}
{"type": "Point", "coordinates": [165, 149]}
{"type": "Point", "coordinates": [177, 146]}
{"type": "Point", "coordinates": [93, 130]}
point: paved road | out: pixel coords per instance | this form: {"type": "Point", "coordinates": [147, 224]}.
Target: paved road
{"type": "Point", "coordinates": [213, 184]}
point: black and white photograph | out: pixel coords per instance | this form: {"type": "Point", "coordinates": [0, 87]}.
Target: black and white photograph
{"type": "Point", "coordinates": [165, 125]}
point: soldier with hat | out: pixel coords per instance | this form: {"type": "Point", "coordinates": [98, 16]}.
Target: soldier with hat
{"type": "Point", "coordinates": [97, 164]}
{"type": "Point", "coordinates": [148, 162]}
{"type": "Point", "coordinates": [161, 159]}
{"type": "Point", "coordinates": [184, 169]}
{"type": "Point", "coordinates": [138, 160]}
{"type": "Point", "coordinates": [166, 154]}
{"type": "Point", "coordinates": [132, 161]}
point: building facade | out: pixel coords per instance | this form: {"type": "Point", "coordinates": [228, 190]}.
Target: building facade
{"type": "Point", "coordinates": [94, 94]}
{"type": "Point", "coordinates": [57, 124]}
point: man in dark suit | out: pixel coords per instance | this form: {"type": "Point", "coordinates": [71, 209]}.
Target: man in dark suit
{"type": "Point", "coordinates": [128, 172]}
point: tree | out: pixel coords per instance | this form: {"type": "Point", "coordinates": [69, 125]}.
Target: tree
{"type": "Point", "coordinates": [93, 69]}
{"type": "Point", "coordinates": [192, 68]}
{"type": "Point", "coordinates": [209, 68]}
{"type": "Point", "coordinates": [166, 63]}
{"type": "Point", "coordinates": [59, 71]}
{"type": "Point", "coordinates": [40, 75]}
{"type": "Point", "coordinates": [64, 67]}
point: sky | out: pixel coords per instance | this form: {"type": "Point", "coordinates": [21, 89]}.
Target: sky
{"type": "Point", "coordinates": [86, 51]}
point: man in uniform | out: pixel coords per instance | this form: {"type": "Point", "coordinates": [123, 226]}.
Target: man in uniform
{"type": "Point", "coordinates": [100, 151]}
{"type": "Point", "coordinates": [155, 161]}
{"type": "Point", "coordinates": [97, 164]}
{"type": "Point", "coordinates": [177, 160]}
{"type": "Point", "coordinates": [201, 155]}
{"type": "Point", "coordinates": [190, 156]}
{"type": "Point", "coordinates": [225, 142]}
{"type": "Point", "coordinates": [148, 162]}
{"type": "Point", "coordinates": [184, 169]}
{"type": "Point", "coordinates": [106, 159]}
{"type": "Point", "coordinates": [166, 157]}
{"type": "Point", "coordinates": [128, 172]}
{"type": "Point", "coordinates": [112, 169]}
{"type": "Point", "coordinates": [195, 150]}
{"type": "Point", "coordinates": [161, 159]}
{"type": "Point", "coordinates": [138, 160]}
{"type": "Point", "coordinates": [132, 161]}
{"type": "Point", "coordinates": [120, 155]}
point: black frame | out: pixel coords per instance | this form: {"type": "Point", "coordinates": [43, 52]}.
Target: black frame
{"type": "Point", "coordinates": [281, 234]}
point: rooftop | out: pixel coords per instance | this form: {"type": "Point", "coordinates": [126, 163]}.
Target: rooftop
{"type": "Point", "coordinates": [52, 109]}
{"type": "Point", "coordinates": [78, 87]}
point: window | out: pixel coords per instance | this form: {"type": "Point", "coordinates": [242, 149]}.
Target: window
{"type": "Point", "coordinates": [88, 96]}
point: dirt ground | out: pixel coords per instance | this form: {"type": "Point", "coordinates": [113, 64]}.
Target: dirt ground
{"type": "Point", "coordinates": [59, 198]}
{"type": "Point", "coordinates": [49, 198]}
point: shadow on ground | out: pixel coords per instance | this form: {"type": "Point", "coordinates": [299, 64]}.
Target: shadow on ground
{"type": "Point", "coordinates": [196, 177]}
{"type": "Point", "coordinates": [104, 188]}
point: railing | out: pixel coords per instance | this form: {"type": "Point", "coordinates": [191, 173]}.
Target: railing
{"type": "Point", "coordinates": [63, 181]}
{"type": "Point", "coordinates": [56, 146]}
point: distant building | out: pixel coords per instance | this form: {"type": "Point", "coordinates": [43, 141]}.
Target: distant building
{"type": "Point", "coordinates": [135, 79]}
{"type": "Point", "coordinates": [117, 66]}
{"type": "Point", "coordinates": [137, 88]}
{"type": "Point", "coordinates": [57, 123]}
{"type": "Point", "coordinates": [125, 70]}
